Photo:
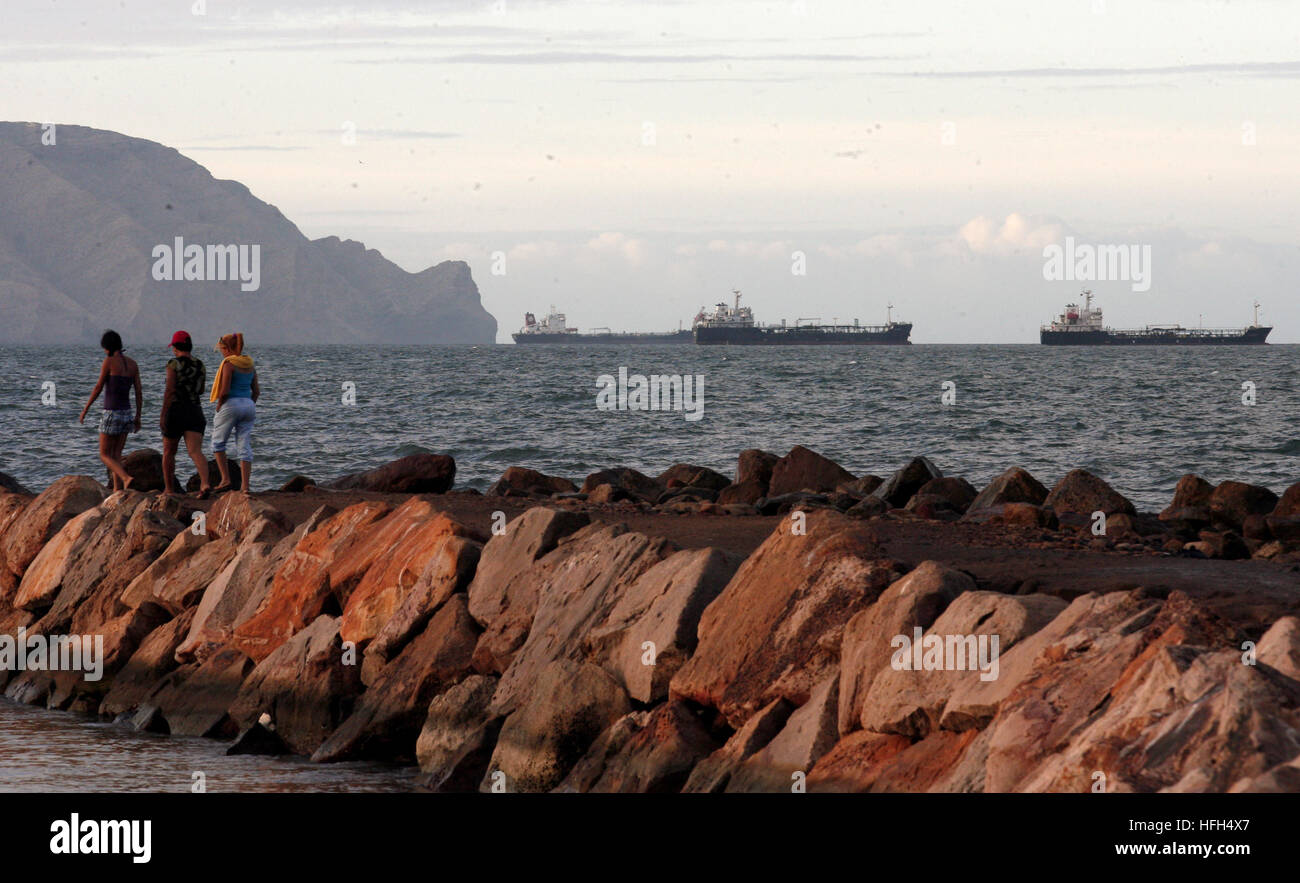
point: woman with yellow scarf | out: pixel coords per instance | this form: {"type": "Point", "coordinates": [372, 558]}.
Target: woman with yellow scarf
{"type": "Point", "coordinates": [235, 391]}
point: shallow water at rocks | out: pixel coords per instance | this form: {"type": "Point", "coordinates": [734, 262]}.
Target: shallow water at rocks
{"type": "Point", "coordinates": [1140, 417]}
{"type": "Point", "coordinates": [42, 750]}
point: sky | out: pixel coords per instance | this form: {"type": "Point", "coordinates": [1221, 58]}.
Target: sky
{"type": "Point", "coordinates": [629, 162]}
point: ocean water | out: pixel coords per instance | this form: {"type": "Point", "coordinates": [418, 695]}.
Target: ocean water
{"type": "Point", "coordinates": [1139, 417]}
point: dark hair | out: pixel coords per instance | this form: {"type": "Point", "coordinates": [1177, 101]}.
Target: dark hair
{"type": "Point", "coordinates": [111, 341]}
{"type": "Point", "coordinates": [184, 346]}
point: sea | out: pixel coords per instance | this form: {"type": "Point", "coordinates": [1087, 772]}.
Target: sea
{"type": "Point", "coordinates": [1139, 417]}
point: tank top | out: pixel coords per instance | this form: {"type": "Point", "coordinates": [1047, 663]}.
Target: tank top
{"type": "Point", "coordinates": [190, 377]}
{"type": "Point", "coordinates": [241, 384]}
{"type": "Point", "coordinates": [117, 392]}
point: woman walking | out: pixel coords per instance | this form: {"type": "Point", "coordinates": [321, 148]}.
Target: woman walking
{"type": "Point", "coordinates": [235, 391]}
{"type": "Point", "coordinates": [117, 376]}
{"type": "Point", "coordinates": [182, 415]}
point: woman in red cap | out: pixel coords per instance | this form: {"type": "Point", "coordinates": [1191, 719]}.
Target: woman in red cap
{"type": "Point", "coordinates": [182, 415]}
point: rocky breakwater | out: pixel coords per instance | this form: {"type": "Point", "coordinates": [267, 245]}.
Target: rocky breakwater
{"type": "Point", "coordinates": [562, 649]}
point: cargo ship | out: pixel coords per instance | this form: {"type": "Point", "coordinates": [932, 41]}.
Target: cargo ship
{"type": "Point", "coordinates": [732, 323]}
{"type": "Point", "coordinates": [553, 329]}
{"type": "Point", "coordinates": [1084, 327]}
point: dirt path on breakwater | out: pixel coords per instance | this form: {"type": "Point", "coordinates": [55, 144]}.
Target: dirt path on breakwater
{"type": "Point", "coordinates": [1006, 559]}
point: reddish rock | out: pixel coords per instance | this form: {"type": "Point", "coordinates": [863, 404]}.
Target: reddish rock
{"type": "Point", "coordinates": [803, 469]}
{"type": "Point", "coordinates": [45, 516]}
{"type": "Point", "coordinates": [749, 491]}
{"type": "Point", "coordinates": [297, 485]}
{"type": "Point", "coordinates": [648, 752]}
{"type": "Point", "coordinates": [755, 465]}
{"type": "Point", "coordinates": [774, 631]}
{"type": "Point", "coordinates": [145, 467]}
{"type": "Point", "coordinates": [929, 765]}
{"type": "Point", "coordinates": [855, 762]}
{"type": "Point", "coordinates": [194, 700]}
{"type": "Point", "coordinates": [569, 706]}
{"type": "Point", "coordinates": [518, 481]}
{"type": "Point", "coordinates": [415, 474]}
{"type": "Point", "coordinates": [952, 495]}
{"type": "Point", "coordinates": [304, 685]}
{"type": "Point", "coordinates": [1190, 507]}
{"type": "Point", "coordinates": [861, 488]}
{"type": "Point", "coordinates": [1233, 501]}
{"type": "Point", "coordinates": [456, 743]}
{"type": "Point", "coordinates": [177, 579]}
{"type": "Point", "coordinates": [661, 609]}
{"type": "Point", "coordinates": [44, 576]}
{"type": "Point", "coordinates": [915, 600]}
{"type": "Point", "coordinates": [300, 589]}
{"type": "Point", "coordinates": [387, 720]}
{"type": "Point", "coordinates": [1288, 506]}
{"type": "Point", "coordinates": [1279, 648]}
{"type": "Point", "coordinates": [1220, 544]}
{"type": "Point", "coordinates": [900, 487]}
{"type": "Point", "coordinates": [1013, 486]}
{"type": "Point", "coordinates": [236, 515]}
{"type": "Point", "coordinates": [712, 774]}
{"type": "Point", "coordinates": [1081, 493]}
{"type": "Point", "coordinates": [11, 485]}
{"type": "Point", "coordinates": [403, 545]}
{"type": "Point", "coordinates": [686, 475]}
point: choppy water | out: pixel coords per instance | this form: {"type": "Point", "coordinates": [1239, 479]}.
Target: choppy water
{"type": "Point", "coordinates": [43, 750]}
{"type": "Point", "coordinates": [1140, 417]}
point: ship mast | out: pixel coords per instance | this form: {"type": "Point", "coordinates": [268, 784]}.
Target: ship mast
{"type": "Point", "coordinates": [736, 292]}
{"type": "Point", "coordinates": [889, 308]}
{"type": "Point", "coordinates": [1256, 325]}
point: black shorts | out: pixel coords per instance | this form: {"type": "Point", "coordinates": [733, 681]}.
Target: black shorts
{"type": "Point", "coordinates": [183, 417]}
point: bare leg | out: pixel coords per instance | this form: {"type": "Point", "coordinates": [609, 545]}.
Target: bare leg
{"type": "Point", "coordinates": [169, 464]}
{"type": "Point", "coordinates": [223, 467]}
{"type": "Point", "coordinates": [194, 443]}
{"type": "Point", "coordinates": [246, 472]}
{"type": "Point", "coordinates": [109, 448]}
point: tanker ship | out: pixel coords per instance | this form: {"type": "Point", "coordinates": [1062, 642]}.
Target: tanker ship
{"type": "Point", "coordinates": [732, 323]}
{"type": "Point", "coordinates": [553, 329]}
{"type": "Point", "coordinates": [1084, 327]}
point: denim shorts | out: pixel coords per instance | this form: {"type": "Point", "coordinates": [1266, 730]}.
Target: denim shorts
{"type": "Point", "coordinates": [235, 417]}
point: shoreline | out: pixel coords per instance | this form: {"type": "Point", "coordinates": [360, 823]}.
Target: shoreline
{"type": "Point", "coordinates": [499, 640]}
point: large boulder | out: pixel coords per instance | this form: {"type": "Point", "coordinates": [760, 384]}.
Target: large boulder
{"type": "Point", "coordinates": [755, 465]}
{"type": "Point", "coordinates": [145, 468]}
{"type": "Point", "coordinates": [900, 487]}
{"type": "Point", "coordinates": [915, 600]}
{"type": "Point", "coordinates": [941, 497]}
{"type": "Point", "coordinates": [456, 742]}
{"type": "Point", "coordinates": [656, 619]}
{"type": "Point", "coordinates": [503, 595]}
{"type": "Point", "coordinates": [855, 763]}
{"type": "Point", "coordinates": [195, 700]}
{"type": "Point", "coordinates": [44, 576]}
{"type": "Point", "coordinates": [1287, 507]}
{"type": "Point", "coordinates": [909, 701]}
{"type": "Point", "coordinates": [387, 720]}
{"type": "Point", "coordinates": [804, 469]}
{"type": "Point", "coordinates": [413, 474]}
{"type": "Point", "coordinates": [1013, 486]}
{"type": "Point", "coordinates": [241, 517]}
{"type": "Point", "coordinates": [152, 660]}
{"type": "Point", "coordinates": [810, 732]}
{"type": "Point", "coordinates": [686, 475]}
{"type": "Point", "coordinates": [1080, 493]}
{"type": "Point", "coordinates": [578, 586]}
{"type": "Point", "coordinates": [404, 542]}
{"type": "Point", "coordinates": [44, 517]}
{"type": "Point", "coordinates": [304, 685]}
{"type": "Point", "coordinates": [1232, 502]}
{"type": "Point", "coordinates": [11, 485]}
{"type": "Point", "coordinates": [749, 491]}
{"type": "Point", "coordinates": [645, 752]}
{"type": "Point", "coordinates": [520, 482]}
{"type": "Point", "coordinates": [1190, 507]}
{"type": "Point", "coordinates": [569, 706]}
{"type": "Point", "coordinates": [622, 478]}
{"type": "Point", "coordinates": [301, 589]}
{"type": "Point", "coordinates": [775, 630]}
{"type": "Point", "coordinates": [177, 579]}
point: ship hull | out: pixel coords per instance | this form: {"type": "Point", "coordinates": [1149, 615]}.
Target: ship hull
{"type": "Point", "coordinates": [1155, 337]}
{"type": "Point", "coordinates": [672, 337]}
{"type": "Point", "coordinates": [803, 335]}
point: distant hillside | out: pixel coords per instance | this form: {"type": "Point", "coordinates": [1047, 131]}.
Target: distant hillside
{"type": "Point", "coordinates": [80, 222]}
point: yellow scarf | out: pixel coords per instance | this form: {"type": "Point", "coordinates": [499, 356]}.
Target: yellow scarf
{"type": "Point", "coordinates": [237, 363]}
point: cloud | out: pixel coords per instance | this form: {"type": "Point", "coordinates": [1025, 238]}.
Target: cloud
{"type": "Point", "coordinates": [1016, 234]}
{"type": "Point", "coordinates": [634, 251]}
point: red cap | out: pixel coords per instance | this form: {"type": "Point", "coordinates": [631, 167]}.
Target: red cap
{"type": "Point", "coordinates": [181, 337]}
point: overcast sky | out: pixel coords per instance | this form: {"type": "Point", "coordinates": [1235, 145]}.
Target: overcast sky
{"type": "Point", "coordinates": [633, 161]}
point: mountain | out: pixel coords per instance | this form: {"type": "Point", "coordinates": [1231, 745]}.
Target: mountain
{"type": "Point", "coordinates": [87, 224]}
